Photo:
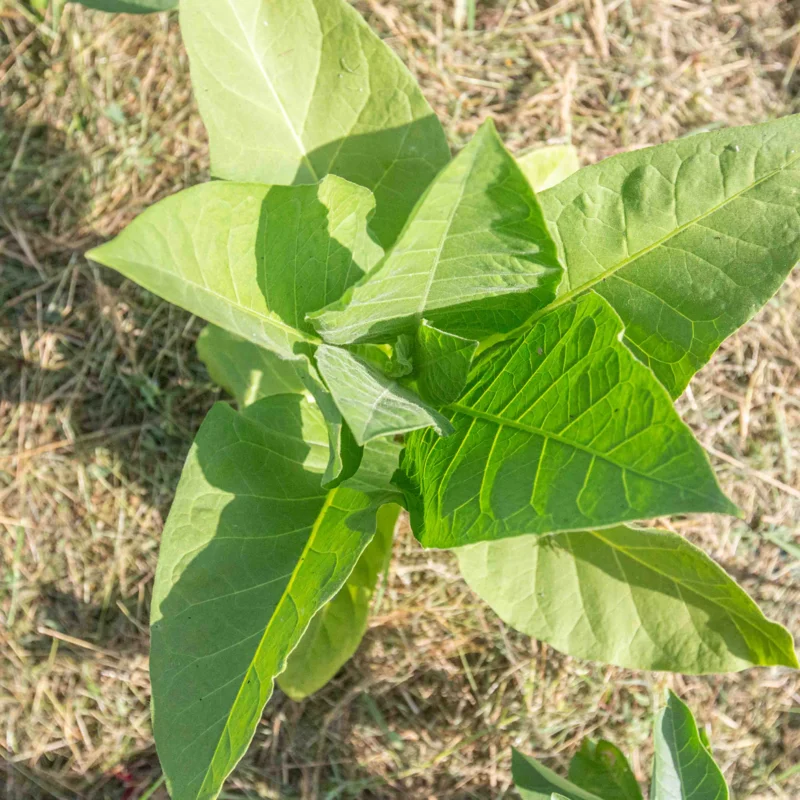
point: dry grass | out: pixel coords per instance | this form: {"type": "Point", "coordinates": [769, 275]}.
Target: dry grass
{"type": "Point", "coordinates": [100, 392]}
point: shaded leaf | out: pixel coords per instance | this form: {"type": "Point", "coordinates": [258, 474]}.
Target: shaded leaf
{"type": "Point", "coordinates": [336, 631]}
{"type": "Point", "coordinates": [544, 167]}
{"type": "Point", "coordinates": [372, 404]}
{"type": "Point", "coordinates": [442, 361]}
{"type": "Point", "coordinates": [683, 768]}
{"type": "Point", "coordinates": [217, 250]}
{"type": "Point", "coordinates": [686, 240]}
{"type": "Point", "coordinates": [474, 259]}
{"type": "Point", "coordinates": [332, 97]}
{"type": "Point", "coordinates": [252, 549]}
{"type": "Point", "coordinates": [537, 782]}
{"type": "Point", "coordinates": [601, 767]}
{"type": "Point", "coordinates": [130, 6]}
{"type": "Point", "coordinates": [559, 430]}
{"type": "Point", "coordinates": [643, 599]}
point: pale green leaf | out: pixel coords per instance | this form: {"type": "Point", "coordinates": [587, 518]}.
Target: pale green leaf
{"type": "Point", "coordinates": [544, 167]}
{"type": "Point", "coordinates": [130, 6]}
{"type": "Point", "coordinates": [239, 256]}
{"type": "Point", "coordinates": [252, 549]}
{"type": "Point", "coordinates": [559, 430]}
{"type": "Point", "coordinates": [601, 767]}
{"type": "Point", "coordinates": [536, 782]}
{"type": "Point", "coordinates": [291, 90]}
{"type": "Point", "coordinates": [372, 404]}
{"type": "Point", "coordinates": [441, 362]}
{"type": "Point", "coordinates": [686, 240]}
{"type": "Point", "coordinates": [475, 257]}
{"type": "Point", "coordinates": [683, 768]}
{"type": "Point", "coordinates": [643, 599]}
{"type": "Point", "coordinates": [336, 631]}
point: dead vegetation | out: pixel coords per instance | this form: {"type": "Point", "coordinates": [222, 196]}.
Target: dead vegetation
{"type": "Point", "coordinates": [101, 391]}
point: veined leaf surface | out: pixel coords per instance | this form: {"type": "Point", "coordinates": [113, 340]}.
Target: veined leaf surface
{"type": "Point", "coordinates": [643, 599]}
{"type": "Point", "coordinates": [601, 767]}
{"type": "Point", "coordinates": [686, 240]}
{"type": "Point", "coordinates": [544, 167]}
{"type": "Point", "coordinates": [683, 767]}
{"type": "Point", "coordinates": [372, 404]}
{"type": "Point", "coordinates": [252, 549]}
{"type": "Point", "coordinates": [559, 430]}
{"type": "Point", "coordinates": [474, 259]}
{"type": "Point", "coordinates": [536, 782]}
{"type": "Point", "coordinates": [219, 250]}
{"type": "Point", "coordinates": [441, 362]}
{"type": "Point", "coordinates": [292, 90]}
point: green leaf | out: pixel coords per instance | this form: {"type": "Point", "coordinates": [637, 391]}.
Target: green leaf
{"type": "Point", "coordinates": [336, 631]}
{"type": "Point", "coordinates": [220, 250]}
{"type": "Point", "coordinates": [544, 167]}
{"type": "Point", "coordinates": [601, 767]}
{"type": "Point", "coordinates": [536, 782]}
{"type": "Point", "coordinates": [244, 369]}
{"type": "Point", "coordinates": [372, 404]}
{"type": "Point", "coordinates": [643, 599]}
{"type": "Point", "coordinates": [292, 90]}
{"type": "Point", "coordinates": [683, 769]}
{"type": "Point", "coordinates": [130, 6]}
{"type": "Point", "coordinates": [442, 361]}
{"type": "Point", "coordinates": [252, 549]}
{"type": "Point", "coordinates": [560, 430]}
{"type": "Point", "coordinates": [474, 259]}
{"type": "Point", "coordinates": [686, 240]}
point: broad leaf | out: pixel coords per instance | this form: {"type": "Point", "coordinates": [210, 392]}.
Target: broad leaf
{"type": "Point", "coordinates": [683, 768]}
{"type": "Point", "coordinates": [336, 631]}
{"type": "Point", "coordinates": [475, 257]}
{"type": "Point", "coordinates": [686, 240]}
{"type": "Point", "coordinates": [441, 362]}
{"type": "Point", "coordinates": [560, 430]}
{"type": "Point", "coordinates": [252, 549]}
{"type": "Point", "coordinates": [544, 167]}
{"type": "Point", "coordinates": [130, 6]}
{"type": "Point", "coordinates": [291, 90]}
{"type": "Point", "coordinates": [247, 371]}
{"type": "Point", "coordinates": [536, 782]}
{"type": "Point", "coordinates": [219, 250]}
{"type": "Point", "coordinates": [601, 767]}
{"type": "Point", "coordinates": [643, 599]}
{"type": "Point", "coordinates": [372, 404]}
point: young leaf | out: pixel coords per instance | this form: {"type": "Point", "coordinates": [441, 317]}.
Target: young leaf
{"type": "Point", "coordinates": [643, 599]}
{"type": "Point", "coordinates": [560, 430]}
{"type": "Point", "coordinates": [442, 361]}
{"type": "Point", "coordinates": [291, 90]}
{"type": "Point", "coordinates": [219, 250]}
{"type": "Point", "coordinates": [601, 767]}
{"type": "Point", "coordinates": [372, 404]}
{"type": "Point", "coordinates": [683, 768]}
{"type": "Point", "coordinates": [536, 782]}
{"type": "Point", "coordinates": [544, 167]}
{"type": "Point", "coordinates": [336, 631]}
{"type": "Point", "coordinates": [475, 257]}
{"type": "Point", "coordinates": [130, 6]}
{"type": "Point", "coordinates": [244, 369]}
{"type": "Point", "coordinates": [252, 549]}
{"type": "Point", "coordinates": [686, 240]}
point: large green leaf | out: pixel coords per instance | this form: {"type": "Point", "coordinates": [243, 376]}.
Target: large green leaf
{"type": "Point", "coordinates": [644, 599]}
{"type": "Point", "coordinates": [686, 240]}
{"type": "Point", "coordinates": [683, 768]}
{"type": "Point", "coordinates": [372, 404]}
{"type": "Point", "coordinates": [601, 767]}
{"type": "Point", "coordinates": [336, 631]}
{"type": "Point", "coordinates": [130, 6]}
{"type": "Point", "coordinates": [239, 256]}
{"type": "Point", "coordinates": [544, 167]}
{"type": "Point", "coordinates": [559, 430]}
{"type": "Point", "coordinates": [441, 363]}
{"type": "Point", "coordinates": [536, 782]}
{"type": "Point", "coordinates": [475, 257]}
{"type": "Point", "coordinates": [291, 90]}
{"type": "Point", "coordinates": [252, 549]}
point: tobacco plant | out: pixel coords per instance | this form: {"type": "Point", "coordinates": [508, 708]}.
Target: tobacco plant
{"type": "Point", "coordinates": [683, 767]}
{"type": "Point", "coordinates": [403, 328]}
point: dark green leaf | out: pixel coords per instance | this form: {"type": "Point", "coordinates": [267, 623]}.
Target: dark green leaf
{"type": "Point", "coordinates": [130, 6]}
{"type": "Point", "coordinates": [536, 782]}
{"type": "Point", "coordinates": [441, 361]}
{"type": "Point", "coordinates": [601, 767]}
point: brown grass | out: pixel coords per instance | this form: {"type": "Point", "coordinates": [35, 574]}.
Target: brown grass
{"type": "Point", "coordinates": [100, 392]}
